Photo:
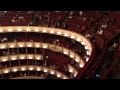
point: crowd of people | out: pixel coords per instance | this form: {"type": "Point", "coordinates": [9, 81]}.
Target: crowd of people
{"type": "Point", "coordinates": [96, 22]}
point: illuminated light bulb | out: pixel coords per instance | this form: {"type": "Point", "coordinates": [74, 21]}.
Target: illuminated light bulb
{"type": "Point", "coordinates": [86, 47]}
{"type": "Point", "coordinates": [30, 57]}
{"type": "Point", "coordinates": [65, 52]}
{"type": "Point", "coordinates": [6, 71]}
{"type": "Point", "coordinates": [51, 31]}
{"type": "Point", "coordinates": [29, 45]}
{"type": "Point", "coordinates": [11, 46]}
{"type": "Point", "coordinates": [19, 29]}
{"type": "Point", "coordinates": [13, 58]}
{"type": "Point", "coordinates": [10, 30]}
{"type": "Point", "coordinates": [1, 30]}
{"type": "Point", "coordinates": [59, 33]}
{"type": "Point", "coordinates": [38, 58]}
{"type": "Point", "coordinates": [77, 60]}
{"type": "Point", "coordinates": [22, 57]}
{"type": "Point", "coordinates": [71, 56]}
{"type": "Point", "coordinates": [2, 47]}
{"type": "Point", "coordinates": [81, 65]}
{"type": "Point", "coordinates": [21, 45]}
{"type": "Point", "coordinates": [75, 75]}
{"type": "Point", "coordinates": [83, 43]}
{"type": "Point", "coordinates": [44, 30]}
{"type": "Point", "coordinates": [58, 75]}
{"type": "Point", "coordinates": [87, 59]}
{"type": "Point", "coordinates": [23, 69]}
{"type": "Point", "coordinates": [66, 34]}
{"type": "Point", "coordinates": [78, 39]}
{"type": "Point", "coordinates": [52, 72]}
{"type": "Point", "coordinates": [44, 46]}
{"type": "Point", "coordinates": [14, 70]}
{"type": "Point", "coordinates": [72, 36]}
{"type": "Point", "coordinates": [31, 68]}
{"type": "Point", "coordinates": [45, 70]}
{"type": "Point", "coordinates": [38, 69]}
{"type": "Point", "coordinates": [36, 45]}
{"type": "Point", "coordinates": [64, 77]}
{"type": "Point", "coordinates": [88, 53]}
{"type": "Point", "coordinates": [5, 59]}
{"type": "Point", "coordinates": [28, 29]}
{"type": "Point", "coordinates": [70, 70]}
{"type": "Point", "coordinates": [36, 30]}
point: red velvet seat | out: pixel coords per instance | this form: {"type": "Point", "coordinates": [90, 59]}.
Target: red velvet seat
{"type": "Point", "coordinates": [99, 42]}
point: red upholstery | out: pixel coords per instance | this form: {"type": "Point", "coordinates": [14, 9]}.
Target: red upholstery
{"type": "Point", "coordinates": [99, 42]}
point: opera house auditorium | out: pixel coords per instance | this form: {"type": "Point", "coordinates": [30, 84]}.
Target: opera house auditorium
{"type": "Point", "coordinates": [59, 44]}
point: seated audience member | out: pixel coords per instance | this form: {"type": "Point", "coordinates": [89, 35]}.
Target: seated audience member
{"type": "Point", "coordinates": [40, 18]}
{"type": "Point", "coordinates": [4, 39]}
{"type": "Point", "coordinates": [30, 12]}
{"type": "Point", "coordinates": [30, 23]}
{"type": "Point", "coordinates": [57, 25]}
{"type": "Point", "coordinates": [104, 25]}
{"type": "Point", "coordinates": [21, 19]}
{"type": "Point", "coordinates": [15, 40]}
{"type": "Point", "coordinates": [37, 18]}
{"type": "Point", "coordinates": [83, 28]}
{"type": "Point", "coordinates": [84, 19]}
{"type": "Point", "coordinates": [93, 37]}
{"type": "Point", "coordinates": [4, 13]}
{"type": "Point", "coordinates": [46, 17]}
{"type": "Point", "coordinates": [81, 13]}
{"type": "Point", "coordinates": [70, 16]}
{"type": "Point", "coordinates": [64, 26]}
{"type": "Point", "coordinates": [114, 45]}
{"type": "Point", "coordinates": [71, 13]}
{"type": "Point", "coordinates": [14, 20]}
{"type": "Point", "coordinates": [100, 31]}
{"type": "Point", "coordinates": [88, 35]}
